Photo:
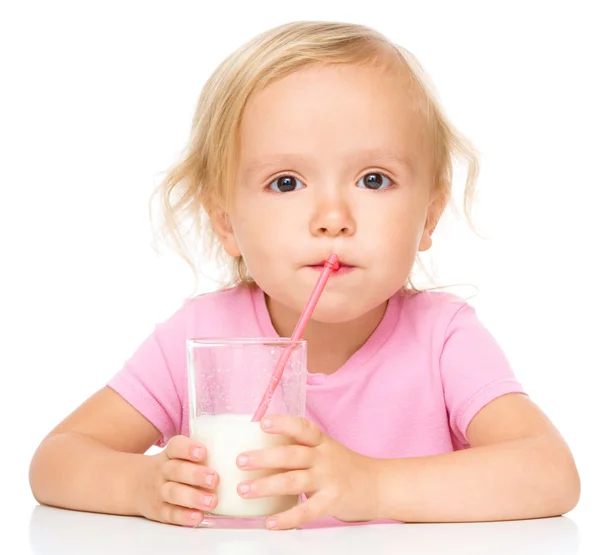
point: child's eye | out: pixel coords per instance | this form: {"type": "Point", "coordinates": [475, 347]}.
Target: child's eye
{"type": "Point", "coordinates": [375, 180]}
{"type": "Point", "coordinates": [286, 184]}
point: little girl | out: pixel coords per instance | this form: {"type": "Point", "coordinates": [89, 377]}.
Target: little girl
{"type": "Point", "coordinates": [317, 138]}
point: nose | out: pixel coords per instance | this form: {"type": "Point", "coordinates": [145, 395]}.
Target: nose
{"type": "Point", "coordinates": [332, 218]}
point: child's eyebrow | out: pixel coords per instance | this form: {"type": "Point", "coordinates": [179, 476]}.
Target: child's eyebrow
{"type": "Point", "coordinates": [276, 161]}
{"type": "Point", "coordinates": [368, 156]}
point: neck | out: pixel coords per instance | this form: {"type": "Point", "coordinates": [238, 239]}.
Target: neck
{"type": "Point", "coordinates": [329, 345]}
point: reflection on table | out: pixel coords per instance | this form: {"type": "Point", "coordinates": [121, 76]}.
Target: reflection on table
{"type": "Point", "coordinates": [53, 531]}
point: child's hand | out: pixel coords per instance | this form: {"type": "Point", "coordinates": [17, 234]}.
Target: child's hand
{"type": "Point", "coordinates": [338, 481]}
{"type": "Point", "coordinates": [177, 488]}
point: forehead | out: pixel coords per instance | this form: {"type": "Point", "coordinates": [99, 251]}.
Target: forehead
{"type": "Point", "coordinates": [333, 113]}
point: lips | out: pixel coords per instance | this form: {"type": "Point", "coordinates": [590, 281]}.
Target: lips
{"type": "Point", "coordinates": [343, 269]}
{"type": "Point", "coordinates": [321, 264]}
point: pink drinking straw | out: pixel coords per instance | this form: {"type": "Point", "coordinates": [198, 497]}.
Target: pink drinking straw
{"type": "Point", "coordinates": [331, 265]}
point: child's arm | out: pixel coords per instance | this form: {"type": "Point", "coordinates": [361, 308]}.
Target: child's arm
{"type": "Point", "coordinates": [93, 461]}
{"type": "Point", "coordinates": [518, 467]}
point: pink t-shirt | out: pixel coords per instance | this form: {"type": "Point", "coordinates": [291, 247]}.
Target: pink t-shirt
{"type": "Point", "coordinates": [410, 390]}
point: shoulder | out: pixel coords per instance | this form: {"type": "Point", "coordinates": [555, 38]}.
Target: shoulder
{"type": "Point", "coordinates": [214, 305]}
{"type": "Point", "coordinates": [219, 313]}
{"type": "Point", "coordinates": [430, 317]}
{"type": "Point", "coordinates": [222, 301]}
{"type": "Point", "coordinates": [434, 308]}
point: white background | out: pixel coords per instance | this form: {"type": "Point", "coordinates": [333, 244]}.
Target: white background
{"type": "Point", "coordinates": [96, 103]}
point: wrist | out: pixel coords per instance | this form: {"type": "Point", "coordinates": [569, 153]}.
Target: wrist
{"type": "Point", "coordinates": [375, 491]}
{"type": "Point", "coordinates": [389, 488]}
{"type": "Point", "coordinates": [143, 477]}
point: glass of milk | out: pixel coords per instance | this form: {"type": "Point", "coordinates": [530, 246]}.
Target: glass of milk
{"type": "Point", "coordinates": [227, 379]}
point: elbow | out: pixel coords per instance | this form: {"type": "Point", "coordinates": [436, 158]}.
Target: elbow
{"type": "Point", "coordinates": [570, 491]}
{"type": "Point", "coordinates": [38, 476]}
{"type": "Point", "coordinates": [564, 483]}
{"type": "Point", "coordinates": [34, 479]}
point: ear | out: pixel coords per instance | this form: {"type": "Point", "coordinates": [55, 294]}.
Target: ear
{"type": "Point", "coordinates": [222, 226]}
{"type": "Point", "coordinates": [426, 241]}
{"type": "Point", "coordinates": [434, 212]}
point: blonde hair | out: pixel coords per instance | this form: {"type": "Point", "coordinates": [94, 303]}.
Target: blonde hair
{"type": "Point", "coordinates": [203, 179]}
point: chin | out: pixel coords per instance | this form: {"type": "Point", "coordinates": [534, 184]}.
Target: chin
{"type": "Point", "coordinates": [332, 310]}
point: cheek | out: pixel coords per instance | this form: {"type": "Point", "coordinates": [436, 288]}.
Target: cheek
{"type": "Point", "coordinates": [399, 228]}
{"type": "Point", "coordinates": [263, 233]}
{"type": "Point", "coordinates": [395, 240]}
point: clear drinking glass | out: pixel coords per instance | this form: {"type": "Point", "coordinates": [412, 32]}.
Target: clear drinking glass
{"type": "Point", "coordinates": [227, 379]}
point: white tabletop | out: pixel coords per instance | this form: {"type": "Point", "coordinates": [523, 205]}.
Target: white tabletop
{"type": "Point", "coordinates": [27, 528]}
{"type": "Point", "coordinates": [56, 531]}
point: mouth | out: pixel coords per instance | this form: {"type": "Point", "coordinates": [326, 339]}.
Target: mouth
{"type": "Point", "coordinates": [343, 269]}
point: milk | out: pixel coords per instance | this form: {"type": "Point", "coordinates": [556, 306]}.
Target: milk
{"type": "Point", "coordinates": [226, 436]}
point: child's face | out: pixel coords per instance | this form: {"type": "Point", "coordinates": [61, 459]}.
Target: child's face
{"type": "Point", "coordinates": [333, 160]}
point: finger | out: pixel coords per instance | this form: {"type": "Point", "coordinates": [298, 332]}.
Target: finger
{"type": "Point", "coordinates": [188, 496]}
{"type": "Point", "coordinates": [193, 474]}
{"type": "Point", "coordinates": [283, 456]}
{"type": "Point", "coordinates": [301, 430]}
{"type": "Point", "coordinates": [182, 447]}
{"type": "Point", "coordinates": [298, 515]}
{"type": "Point", "coordinates": [172, 514]}
{"type": "Point", "coordinates": [285, 483]}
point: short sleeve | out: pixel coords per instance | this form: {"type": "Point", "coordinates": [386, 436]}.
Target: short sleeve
{"type": "Point", "coordinates": [474, 370]}
{"type": "Point", "coordinates": [150, 380]}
